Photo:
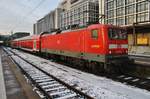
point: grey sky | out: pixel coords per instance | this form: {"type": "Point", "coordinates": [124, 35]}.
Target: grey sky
{"type": "Point", "coordinates": [19, 15]}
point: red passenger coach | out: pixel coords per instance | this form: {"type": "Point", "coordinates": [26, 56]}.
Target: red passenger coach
{"type": "Point", "coordinates": [29, 43]}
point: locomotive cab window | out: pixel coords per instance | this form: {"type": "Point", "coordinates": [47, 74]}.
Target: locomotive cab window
{"type": "Point", "coordinates": [94, 34]}
{"type": "Point", "coordinates": [114, 33]}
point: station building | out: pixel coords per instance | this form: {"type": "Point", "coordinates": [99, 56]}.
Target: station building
{"type": "Point", "coordinates": [135, 16]}
{"type": "Point", "coordinates": [80, 13]}
{"type": "Point", "coordinates": [48, 23]}
{"type": "Point", "coordinates": [68, 13]}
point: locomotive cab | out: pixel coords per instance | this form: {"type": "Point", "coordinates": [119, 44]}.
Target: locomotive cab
{"type": "Point", "coordinates": [117, 45]}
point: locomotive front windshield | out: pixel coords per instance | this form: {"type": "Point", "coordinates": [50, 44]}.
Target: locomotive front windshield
{"type": "Point", "coordinates": [117, 33]}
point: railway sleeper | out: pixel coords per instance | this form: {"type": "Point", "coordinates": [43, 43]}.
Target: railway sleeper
{"type": "Point", "coordinates": [32, 72]}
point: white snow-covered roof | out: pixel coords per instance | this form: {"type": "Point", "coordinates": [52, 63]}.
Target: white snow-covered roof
{"type": "Point", "coordinates": [24, 38]}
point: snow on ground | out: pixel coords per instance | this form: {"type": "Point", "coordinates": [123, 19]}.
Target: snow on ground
{"type": "Point", "coordinates": [96, 86]}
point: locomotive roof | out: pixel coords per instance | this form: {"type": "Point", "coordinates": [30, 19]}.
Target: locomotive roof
{"type": "Point", "coordinates": [69, 30]}
{"type": "Point", "coordinates": [27, 38]}
{"type": "Point", "coordinates": [78, 29]}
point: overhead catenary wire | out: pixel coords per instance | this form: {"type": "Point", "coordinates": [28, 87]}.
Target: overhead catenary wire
{"type": "Point", "coordinates": [29, 13]}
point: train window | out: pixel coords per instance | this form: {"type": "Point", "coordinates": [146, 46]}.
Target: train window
{"type": "Point", "coordinates": [117, 34]}
{"type": "Point", "coordinates": [94, 34]}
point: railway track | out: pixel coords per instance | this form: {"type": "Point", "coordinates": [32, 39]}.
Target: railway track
{"type": "Point", "coordinates": [50, 86]}
{"type": "Point", "coordinates": [142, 60]}
{"type": "Point", "coordinates": [132, 80]}
{"type": "Point", "coordinates": [135, 81]}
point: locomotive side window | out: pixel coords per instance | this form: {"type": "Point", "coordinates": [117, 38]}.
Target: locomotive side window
{"type": "Point", "coordinates": [94, 34]}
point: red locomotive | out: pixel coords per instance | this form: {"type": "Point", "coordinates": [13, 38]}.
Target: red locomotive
{"type": "Point", "coordinates": [98, 44]}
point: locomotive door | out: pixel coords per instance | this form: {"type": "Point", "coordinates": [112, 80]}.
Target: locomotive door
{"type": "Point", "coordinates": [94, 46]}
{"type": "Point", "coordinates": [94, 42]}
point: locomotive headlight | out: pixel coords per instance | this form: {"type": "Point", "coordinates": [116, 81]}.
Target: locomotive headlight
{"type": "Point", "coordinates": [110, 52]}
{"type": "Point", "coordinates": [126, 51]}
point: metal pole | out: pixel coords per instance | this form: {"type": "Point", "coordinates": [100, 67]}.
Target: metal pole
{"type": "Point", "coordinates": [134, 35]}
{"type": "Point", "coordinates": [11, 37]}
{"type": "Point", "coordinates": [149, 8]}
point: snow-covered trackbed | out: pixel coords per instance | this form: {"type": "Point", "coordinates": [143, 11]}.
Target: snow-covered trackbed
{"type": "Point", "coordinates": [95, 86]}
{"type": "Point", "coordinates": [49, 85]}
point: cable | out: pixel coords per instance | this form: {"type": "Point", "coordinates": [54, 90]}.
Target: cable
{"type": "Point", "coordinates": [42, 1]}
{"type": "Point", "coordinates": [29, 13]}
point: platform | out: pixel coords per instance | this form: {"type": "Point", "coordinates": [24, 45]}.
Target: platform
{"type": "Point", "coordinates": [140, 58]}
{"type": "Point", "coordinates": [13, 85]}
{"type": "Point", "coordinates": [139, 50]}
{"type": "Point", "coordinates": [2, 84]}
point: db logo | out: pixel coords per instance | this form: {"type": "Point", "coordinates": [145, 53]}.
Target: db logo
{"type": "Point", "coordinates": [58, 41]}
{"type": "Point", "coordinates": [119, 46]}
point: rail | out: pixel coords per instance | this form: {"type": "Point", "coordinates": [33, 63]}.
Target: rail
{"type": "Point", "coordinates": [48, 83]}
